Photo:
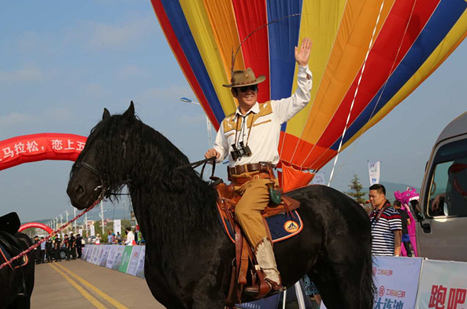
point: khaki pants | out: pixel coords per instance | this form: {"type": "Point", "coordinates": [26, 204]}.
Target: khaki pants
{"type": "Point", "coordinates": [255, 198]}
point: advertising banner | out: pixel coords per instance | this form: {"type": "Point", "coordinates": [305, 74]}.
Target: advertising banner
{"type": "Point", "coordinates": [140, 266]}
{"type": "Point", "coordinates": [98, 255]}
{"type": "Point", "coordinates": [89, 250]}
{"type": "Point", "coordinates": [318, 179]}
{"type": "Point", "coordinates": [117, 226]}
{"type": "Point", "coordinates": [443, 285]}
{"type": "Point", "coordinates": [111, 258]}
{"type": "Point", "coordinates": [134, 260]}
{"type": "Point", "coordinates": [92, 230]}
{"type": "Point", "coordinates": [125, 259]}
{"type": "Point", "coordinates": [374, 171]}
{"type": "Point", "coordinates": [396, 281]}
{"type": "Point", "coordinates": [118, 257]}
{"type": "Point", "coordinates": [94, 254]}
{"type": "Point", "coordinates": [84, 252]}
{"type": "Point", "coordinates": [105, 255]}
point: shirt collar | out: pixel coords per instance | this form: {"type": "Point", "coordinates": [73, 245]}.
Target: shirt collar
{"type": "Point", "coordinates": [254, 109]}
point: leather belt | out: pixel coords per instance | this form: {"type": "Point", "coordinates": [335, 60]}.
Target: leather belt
{"type": "Point", "coordinates": [253, 167]}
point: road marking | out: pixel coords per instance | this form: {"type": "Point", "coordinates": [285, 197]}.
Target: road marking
{"type": "Point", "coordinates": [93, 288]}
{"type": "Point", "coordinates": [88, 296]}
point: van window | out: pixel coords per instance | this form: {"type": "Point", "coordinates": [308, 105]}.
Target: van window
{"type": "Point", "coordinates": [447, 196]}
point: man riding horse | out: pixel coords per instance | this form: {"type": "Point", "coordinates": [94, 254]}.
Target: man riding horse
{"type": "Point", "coordinates": [251, 137]}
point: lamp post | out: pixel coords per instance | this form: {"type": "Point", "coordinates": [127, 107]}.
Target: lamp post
{"type": "Point", "coordinates": [208, 122]}
{"type": "Point", "coordinates": [102, 217]}
{"type": "Point", "coordinates": [67, 213]}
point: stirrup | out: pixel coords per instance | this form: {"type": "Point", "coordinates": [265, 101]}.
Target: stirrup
{"type": "Point", "coordinates": [254, 290]}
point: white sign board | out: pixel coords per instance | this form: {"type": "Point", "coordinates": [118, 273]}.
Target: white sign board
{"type": "Point", "coordinates": [374, 170]}
{"type": "Point", "coordinates": [140, 266]}
{"type": "Point", "coordinates": [134, 259]}
{"type": "Point", "coordinates": [111, 258]}
{"type": "Point", "coordinates": [105, 255]}
{"type": "Point", "coordinates": [443, 285]}
{"type": "Point", "coordinates": [396, 281]}
{"type": "Point", "coordinates": [118, 257]}
{"type": "Point", "coordinates": [318, 179]}
{"type": "Point", "coordinates": [117, 226]}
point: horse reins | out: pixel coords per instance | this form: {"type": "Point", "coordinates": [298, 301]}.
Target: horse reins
{"type": "Point", "coordinates": [199, 163]}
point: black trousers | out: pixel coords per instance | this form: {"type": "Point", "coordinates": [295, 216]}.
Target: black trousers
{"type": "Point", "coordinates": [80, 252]}
{"type": "Point", "coordinates": [57, 255]}
{"type": "Point", "coordinates": [48, 254]}
{"type": "Point", "coordinates": [37, 256]}
{"type": "Point", "coordinates": [73, 252]}
{"type": "Point", "coordinates": [408, 248]}
{"type": "Point", "coordinates": [42, 256]}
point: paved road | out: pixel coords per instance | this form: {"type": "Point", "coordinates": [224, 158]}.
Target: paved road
{"type": "Point", "coordinates": [79, 285]}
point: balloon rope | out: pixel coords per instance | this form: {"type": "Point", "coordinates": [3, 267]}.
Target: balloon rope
{"type": "Point", "coordinates": [50, 235]}
{"type": "Point", "coordinates": [355, 94]}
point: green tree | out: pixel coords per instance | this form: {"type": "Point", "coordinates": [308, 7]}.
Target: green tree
{"type": "Point", "coordinates": [356, 190]}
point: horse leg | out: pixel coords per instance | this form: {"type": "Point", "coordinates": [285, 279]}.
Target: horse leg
{"type": "Point", "coordinates": [21, 302]}
{"type": "Point", "coordinates": [345, 284]}
{"type": "Point", "coordinates": [327, 287]}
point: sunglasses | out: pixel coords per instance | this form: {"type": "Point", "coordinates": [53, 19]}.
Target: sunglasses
{"type": "Point", "coordinates": [246, 88]}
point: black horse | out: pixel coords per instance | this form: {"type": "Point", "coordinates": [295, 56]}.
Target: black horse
{"type": "Point", "coordinates": [17, 280]}
{"type": "Point", "coordinates": [188, 255]}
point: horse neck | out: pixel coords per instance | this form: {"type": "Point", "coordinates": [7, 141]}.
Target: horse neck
{"type": "Point", "coordinates": [170, 218]}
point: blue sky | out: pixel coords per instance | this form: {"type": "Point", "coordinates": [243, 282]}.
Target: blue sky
{"type": "Point", "coordinates": [62, 62]}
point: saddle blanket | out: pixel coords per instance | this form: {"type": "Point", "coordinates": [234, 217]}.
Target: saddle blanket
{"type": "Point", "coordinates": [6, 253]}
{"type": "Point", "coordinates": [282, 226]}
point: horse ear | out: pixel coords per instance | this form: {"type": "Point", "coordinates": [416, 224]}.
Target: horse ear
{"type": "Point", "coordinates": [130, 112]}
{"type": "Point", "coordinates": [106, 114]}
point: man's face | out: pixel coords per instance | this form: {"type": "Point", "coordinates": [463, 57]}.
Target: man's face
{"type": "Point", "coordinates": [246, 96]}
{"type": "Point", "coordinates": [377, 199]}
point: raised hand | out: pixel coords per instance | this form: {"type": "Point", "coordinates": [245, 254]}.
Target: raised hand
{"type": "Point", "coordinates": [302, 55]}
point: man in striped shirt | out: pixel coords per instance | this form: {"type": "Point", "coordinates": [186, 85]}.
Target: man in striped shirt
{"type": "Point", "coordinates": [386, 224]}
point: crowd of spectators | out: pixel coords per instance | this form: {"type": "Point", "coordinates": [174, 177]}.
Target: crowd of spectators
{"type": "Point", "coordinates": [56, 248]}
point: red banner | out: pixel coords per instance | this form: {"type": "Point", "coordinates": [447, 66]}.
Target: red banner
{"type": "Point", "coordinates": [38, 147]}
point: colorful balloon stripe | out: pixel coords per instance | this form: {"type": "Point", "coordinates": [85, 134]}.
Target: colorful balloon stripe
{"type": "Point", "coordinates": [411, 38]}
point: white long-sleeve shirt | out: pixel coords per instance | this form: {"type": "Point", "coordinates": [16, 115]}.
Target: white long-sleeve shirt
{"type": "Point", "coordinates": [265, 130]}
{"type": "Point", "coordinates": [129, 238]}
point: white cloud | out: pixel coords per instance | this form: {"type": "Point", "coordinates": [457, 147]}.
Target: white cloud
{"type": "Point", "coordinates": [25, 74]}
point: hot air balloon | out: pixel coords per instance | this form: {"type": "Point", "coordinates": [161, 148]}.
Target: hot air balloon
{"type": "Point", "coordinates": [367, 57]}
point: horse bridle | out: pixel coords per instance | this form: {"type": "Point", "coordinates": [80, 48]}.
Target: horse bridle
{"type": "Point", "coordinates": [95, 172]}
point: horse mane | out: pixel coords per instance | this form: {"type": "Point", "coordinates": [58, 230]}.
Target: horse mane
{"type": "Point", "coordinates": [162, 194]}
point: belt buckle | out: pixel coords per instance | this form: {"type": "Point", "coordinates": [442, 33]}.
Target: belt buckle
{"type": "Point", "coordinates": [264, 166]}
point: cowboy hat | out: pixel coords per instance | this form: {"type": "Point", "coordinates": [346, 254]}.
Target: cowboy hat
{"type": "Point", "coordinates": [242, 78]}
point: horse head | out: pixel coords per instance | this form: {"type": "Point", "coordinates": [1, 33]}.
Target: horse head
{"type": "Point", "coordinates": [105, 164]}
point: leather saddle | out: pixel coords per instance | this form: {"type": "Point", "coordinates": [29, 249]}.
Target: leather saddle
{"type": "Point", "coordinates": [245, 270]}
{"type": "Point", "coordinates": [9, 244]}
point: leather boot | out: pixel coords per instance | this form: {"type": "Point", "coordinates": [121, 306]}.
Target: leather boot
{"type": "Point", "coordinates": [267, 262]}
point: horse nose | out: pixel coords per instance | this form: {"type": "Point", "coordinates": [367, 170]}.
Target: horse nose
{"type": "Point", "coordinates": [77, 191]}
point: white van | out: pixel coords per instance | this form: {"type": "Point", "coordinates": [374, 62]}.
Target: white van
{"type": "Point", "coordinates": [442, 234]}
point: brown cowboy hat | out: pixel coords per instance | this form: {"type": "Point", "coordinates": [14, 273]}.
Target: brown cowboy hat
{"type": "Point", "coordinates": [242, 78]}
